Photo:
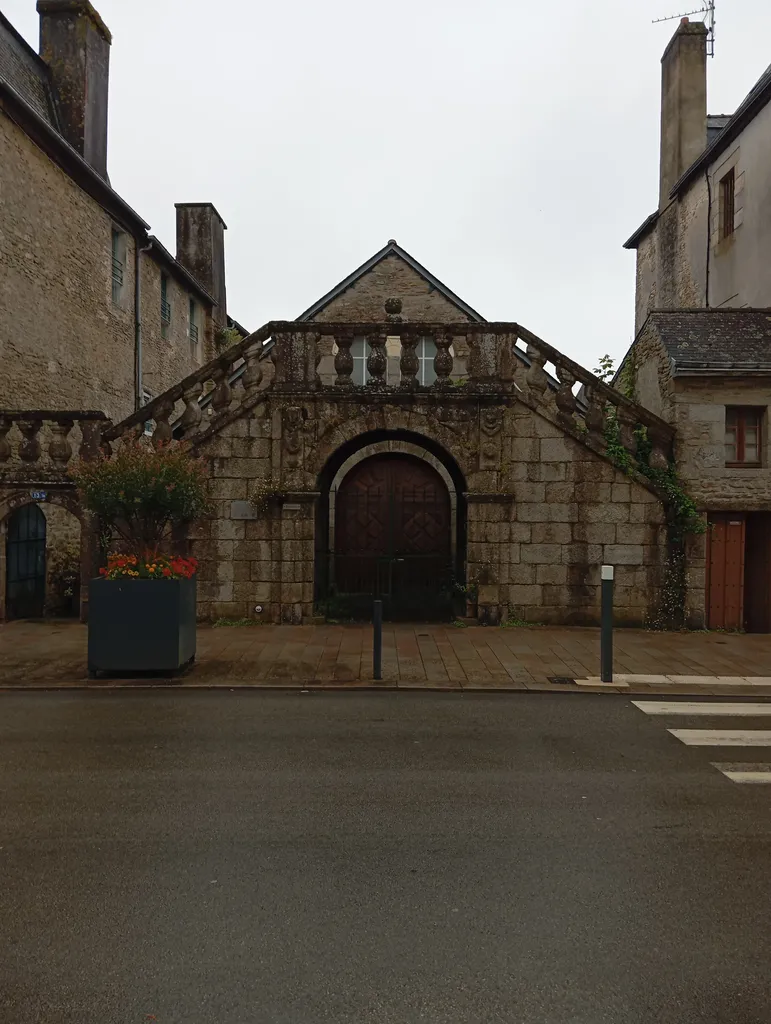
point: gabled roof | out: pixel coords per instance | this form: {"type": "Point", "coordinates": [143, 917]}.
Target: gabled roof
{"type": "Point", "coordinates": [391, 249]}
{"type": "Point", "coordinates": [710, 341]}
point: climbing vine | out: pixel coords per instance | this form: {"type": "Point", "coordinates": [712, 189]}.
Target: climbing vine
{"type": "Point", "coordinates": [684, 517]}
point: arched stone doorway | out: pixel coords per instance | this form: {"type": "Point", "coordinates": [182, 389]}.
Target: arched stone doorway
{"type": "Point", "coordinates": [47, 556]}
{"type": "Point", "coordinates": [25, 560]}
{"type": "Point", "coordinates": [392, 534]}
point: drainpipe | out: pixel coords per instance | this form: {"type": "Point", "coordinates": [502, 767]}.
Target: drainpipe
{"type": "Point", "coordinates": [709, 231]}
{"type": "Point", "coordinates": [138, 321]}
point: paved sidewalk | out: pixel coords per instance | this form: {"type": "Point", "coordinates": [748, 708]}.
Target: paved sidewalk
{"type": "Point", "coordinates": [34, 654]}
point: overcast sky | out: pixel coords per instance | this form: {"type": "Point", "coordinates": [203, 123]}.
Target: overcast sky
{"type": "Point", "coordinates": [510, 147]}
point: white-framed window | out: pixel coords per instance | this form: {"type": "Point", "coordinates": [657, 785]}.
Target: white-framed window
{"type": "Point", "coordinates": [147, 397]}
{"type": "Point", "coordinates": [165, 306]}
{"type": "Point", "coordinates": [426, 350]}
{"type": "Point", "coordinates": [193, 321]}
{"type": "Point", "coordinates": [118, 269]}
{"type": "Point", "coordinates": [360, 352]}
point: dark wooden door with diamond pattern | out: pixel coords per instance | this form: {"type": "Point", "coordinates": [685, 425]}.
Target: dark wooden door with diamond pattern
{"type": "Point", "coordinates": [393, 539]}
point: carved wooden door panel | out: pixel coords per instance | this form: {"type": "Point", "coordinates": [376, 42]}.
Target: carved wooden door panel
{"type": "Point", "coordinates": [393, 536]}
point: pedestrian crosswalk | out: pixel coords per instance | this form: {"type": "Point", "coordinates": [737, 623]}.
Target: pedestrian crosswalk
{"type": "Point", "coordinates": [746, 772]}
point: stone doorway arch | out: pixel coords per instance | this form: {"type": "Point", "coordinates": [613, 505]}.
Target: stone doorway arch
{"type": "Point", "coordinates": [64, 520]}
{"type": "Point", "coordinates": [389, 526]}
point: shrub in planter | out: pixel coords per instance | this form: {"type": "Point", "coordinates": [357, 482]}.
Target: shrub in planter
{"type": "Point", "coordinates": [142, 608]}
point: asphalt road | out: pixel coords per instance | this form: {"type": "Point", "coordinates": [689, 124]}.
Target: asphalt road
{"type": "Point", "coordinates": [257, 858]}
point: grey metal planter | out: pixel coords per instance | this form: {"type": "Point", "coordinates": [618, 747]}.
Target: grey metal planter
{"type": "Point", "coordinates": [141, 625]}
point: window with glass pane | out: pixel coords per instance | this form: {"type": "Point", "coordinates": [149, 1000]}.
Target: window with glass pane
{"type": "Point", "coordinates": [360, 351]}
{"type": "Point", "coordinates": [426, 350]}
{"type": "Point", "coordinates": [743, 428]}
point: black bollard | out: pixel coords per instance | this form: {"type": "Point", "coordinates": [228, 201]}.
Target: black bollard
{"type": "Point", "coordinates": [606, 625]}
{"type": "Point", "coordinates": [377, 642]}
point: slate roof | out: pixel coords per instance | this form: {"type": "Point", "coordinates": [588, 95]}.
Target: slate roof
{"type": "Point", "coordinates": [392, 248]}
{"type": "Point", "coordinates": [709, 341]}
{"type": "Point", "coordinates": [26, 73]}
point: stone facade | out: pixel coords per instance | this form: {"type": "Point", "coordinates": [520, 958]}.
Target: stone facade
{"type": "Point", "coordinates": [540, 521]}
{"type": "Point", "coordinates": [685, 259]}
{"type": "Point", "coordinates": [64, 342]}
{"type": "Point", "coordinates": [362, 300]}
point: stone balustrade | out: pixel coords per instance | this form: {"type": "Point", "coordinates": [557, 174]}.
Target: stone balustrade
{"type": "Point", "coordinates": [471, 359]}
{"type": "Point", "coordinates": [38, 445]}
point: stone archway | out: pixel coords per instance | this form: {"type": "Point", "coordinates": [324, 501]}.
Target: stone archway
{"type": "Point", "coordinates": [57, 507]}
{"type": "Point", "coordinates": [389, 527]}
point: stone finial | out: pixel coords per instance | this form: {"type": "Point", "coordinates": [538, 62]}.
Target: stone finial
{"type": "Point", "coordinates": [393, 308]}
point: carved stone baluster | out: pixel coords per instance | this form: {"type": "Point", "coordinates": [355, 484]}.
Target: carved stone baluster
{"type": "Point", "coordinates": [536, 378]}
{"type": "Point", "coordinates": [59, 447]}
{"type": "Point", "coordinates": [658, 457]}
{"type": "Point", "coordinates": [377, 361]}
{"type": "Point", "coordinates": [5, 444]}
{"type": "Point", "coordinates": [344, 360]}
{"type": "Point", "coordinates": [223, 393]}
{"type": "Point", "coordinates": [626, 427]}
{"type": "Point", "coordinates": [408, 361]}
{"type": "Point", "coordinates": [162, 432]}
{"type": "Point", "coordinates": [594, 417]}
{"type": "Point", "coordinates": [91, 436]}
{"type": "Point", "coordinates": [565, 399]}
{"type": "Point", "coordinates": [191, 417]}
{"type": "Point", "coordinates": [443, 360]}
{"type": "Point", "coordinates": [30, 449]}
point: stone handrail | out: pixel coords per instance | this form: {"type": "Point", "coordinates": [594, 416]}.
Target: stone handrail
{"type": "Point", "coordinates": [219, 370]}
{"type": "Point", "coordinates": [40, 443]}
{"type": "Point", "coordinates": [495, 365]}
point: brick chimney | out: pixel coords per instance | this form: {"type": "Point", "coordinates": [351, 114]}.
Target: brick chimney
{"type": "Point", "coordinates": [75, 43]}
{"type": "Point", "coordinates": [683, 104]}
{"type": "Point", "coordinates": [201, 250]}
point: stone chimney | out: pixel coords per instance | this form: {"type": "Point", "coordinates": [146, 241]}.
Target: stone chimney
{"type": "Point", "coordinates": [75, 43]}
{"type": "Point", "coordinates": [683, 104]}
{"type": "Point", "coordinates": [201, 250]}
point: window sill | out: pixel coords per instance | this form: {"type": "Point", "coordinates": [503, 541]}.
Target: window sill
{"type": "Point", "coordinates": [743, 465]}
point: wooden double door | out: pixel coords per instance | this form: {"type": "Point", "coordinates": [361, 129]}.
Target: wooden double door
{"type": "Point", "coordinates": [739, 571]}
{"type": "Point", "coordinates": [393, 539]}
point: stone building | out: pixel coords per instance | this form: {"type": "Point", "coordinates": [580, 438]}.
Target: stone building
{"type": "Point", "coordinates": [701, 358]}
{"type": "Point", "coordinates": [95, 313]}
{"type": "Point", "coordinates": [417, 452]}
{"type": "Point", "coordinates": [390, 442]}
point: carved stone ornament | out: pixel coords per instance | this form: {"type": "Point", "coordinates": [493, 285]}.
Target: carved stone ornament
{"type": "Point", "coordinates": [293, 425]}
{"type": "Point", "coordinates": [491, 421]}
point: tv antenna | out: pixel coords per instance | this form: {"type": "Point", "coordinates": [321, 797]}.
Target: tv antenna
{"type": "Point", "coordinates": [708, 10]}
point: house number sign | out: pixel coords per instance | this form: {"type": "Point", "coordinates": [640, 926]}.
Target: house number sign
{"type": "Point", "coordinates": [39, 495]}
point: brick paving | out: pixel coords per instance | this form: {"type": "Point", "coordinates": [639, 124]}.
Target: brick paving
{"type": "Point", "coordinates": [431, 656]}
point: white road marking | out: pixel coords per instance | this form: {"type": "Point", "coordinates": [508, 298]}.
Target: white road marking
{"type": "Point", "coordinates": [685, 707]}
{"type": "Point", "coordinates": [753, 774]}
{"type": "Point", "coordinates": [723, 737]}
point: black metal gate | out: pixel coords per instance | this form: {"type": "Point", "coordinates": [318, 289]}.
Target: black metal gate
{"type": "Point", "coordinates": [26, 563]}
{"type": "Point", "coordinates": [393, 541]}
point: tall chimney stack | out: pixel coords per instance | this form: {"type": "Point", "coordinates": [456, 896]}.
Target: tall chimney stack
{"type": "Point", "coordinates": [683, 104]}
{"type": "Point", "coordinates": [201, 250]}
{"type": "Point", "coordinates": [75, 43]}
